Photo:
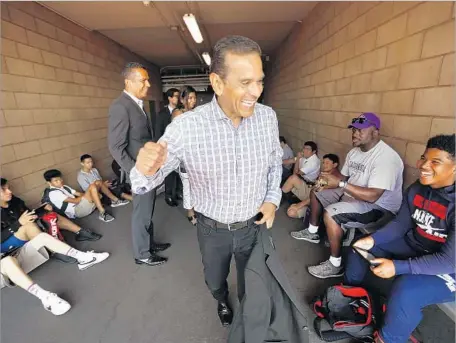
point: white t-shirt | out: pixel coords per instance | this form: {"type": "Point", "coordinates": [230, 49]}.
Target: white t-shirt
{"type": "Point", "coordinates": [57, 198]}
{"type": "Point", "coordinates": [380, 167]}
{"type": "Point", "coordinates": [310, 167]}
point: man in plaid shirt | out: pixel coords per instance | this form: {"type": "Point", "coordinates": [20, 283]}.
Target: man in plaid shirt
{"type": "Point", "coordinates": [230, 148]}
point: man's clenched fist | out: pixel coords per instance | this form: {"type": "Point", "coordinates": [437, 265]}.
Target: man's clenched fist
{"type": "Point", "coordinates": [151, 157]}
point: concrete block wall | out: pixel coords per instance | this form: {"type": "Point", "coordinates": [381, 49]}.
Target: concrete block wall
{"type": "Point", "coordinates": [58, 81]}
{"type": "Point", "coordinates": [393, 58]}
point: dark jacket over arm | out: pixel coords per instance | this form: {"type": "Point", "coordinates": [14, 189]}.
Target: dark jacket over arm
{"type": "Point", "coordinates": [270, 310]}
{"type": "Point", "coordinates": [129, 129]}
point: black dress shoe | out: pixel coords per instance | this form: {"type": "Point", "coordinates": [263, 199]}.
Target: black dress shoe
{"type": "Point", "coordinates": [225, 313]}
{"type": "Point", "coordinates": [179, 196]}
{"type": "Point", "coordinates": [153, 260]}
{"type": "Point", "coordinates": [171, 202]}
{"type": "Point", "coordinates": [87, 235]}
{"type": "Point", "coordinates": [159, 247]}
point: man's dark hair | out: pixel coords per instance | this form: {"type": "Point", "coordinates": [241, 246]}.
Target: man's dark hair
{"type": "Point", "coordinates": [52, 173]}
{"type": "Point", "coordinates": [333, 157]}
{"type": "Point", "coordinates": [85, 156]}
{"type": "Point", "coordinates": [282, 140]}
{"type": "Point", "coordinates": [128, 69]}
{"type": "Point", "coordinates": [313, 145]}
{"type": "Point", "coordinates": [4, 182]}
{"type": "Point", "coordinates": [170, 92]}
{"type": "Point", "coordinates": [442, 142]}
{"type": "Point", "coordinates": [238, 45]}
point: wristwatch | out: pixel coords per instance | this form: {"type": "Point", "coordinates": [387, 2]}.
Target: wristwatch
{"type": "Point", "coordinates": [343, 184]}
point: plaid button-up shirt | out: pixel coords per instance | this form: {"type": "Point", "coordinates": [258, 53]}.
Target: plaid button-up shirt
{"type": "Point", "coordinates": [231, 171]}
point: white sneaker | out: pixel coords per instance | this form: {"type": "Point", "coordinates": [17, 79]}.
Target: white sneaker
{"type": "Point", "coordinates": [56, 305]}
{"type": "Point", "coordinates": [96, 258]}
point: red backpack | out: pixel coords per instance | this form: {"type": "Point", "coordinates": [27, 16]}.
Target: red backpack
{"type": "Point", "coordinates": [346, 312]}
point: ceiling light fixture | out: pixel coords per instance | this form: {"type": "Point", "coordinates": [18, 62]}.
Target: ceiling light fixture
{"type": "Point", "coordinates": [207, 58]}
{"type": "Point", "coordinates": [146, 3]}
{"type": "Point", "coordinates": [193, 27]}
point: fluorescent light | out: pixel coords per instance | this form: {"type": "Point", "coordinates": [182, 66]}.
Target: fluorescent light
{"type": "Point", "coordinates": [193, 27]}
{"type": "Point", "coordinates": [207, 58]}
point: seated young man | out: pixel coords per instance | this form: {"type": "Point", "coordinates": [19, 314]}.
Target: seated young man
{"type": "Point", "coordinates": [418, 246]}
{"type": "Point", "coordinates": [287, 158]}
{"type": "Point", "coordinates": [329, 164]}
{"type": "Point", "coordinates": [13, 207]}
{"type": "Point", "coordinates": [89, 175]}
{"type": "Point", "coordinates": [22, 235]}
{"type": "Point", "coordinates": [73, 203]}
{"type": "Point", "coordinates": [371, 188]}
{"type": "Point", "coordinates": [306, 171]}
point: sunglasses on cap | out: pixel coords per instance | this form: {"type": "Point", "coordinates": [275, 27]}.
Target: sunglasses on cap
{"type": "Point", "coordinates": [361, 120]}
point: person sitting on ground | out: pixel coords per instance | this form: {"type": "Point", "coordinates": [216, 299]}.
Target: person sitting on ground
{"type": "Point", "coordinates": [417, 247]}
{"type": "Point", "coordinates": [18, 238]}
{"type": "Point", "coordinates": [12, 208]}
{"type": "Point", "coordinates": [371, 188]}
{"type": "Point", "coordinates": [329, 164]}
{"type": "Point", "coordinates": [306, 171]}
{"type": "Point", "coordinates": [89, 175]}
{"type": "Point", "coordinates": [187, 103]}
{"type": "Point", "coordinates": [71, 202]}
{"type": "Point", "coordinates": [287, 158]}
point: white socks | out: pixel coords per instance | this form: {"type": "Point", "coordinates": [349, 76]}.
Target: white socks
{"type": "Point", "coordinates": [82, 257]}
{"type": "Point", "coordinates": [335, 261]}
{"type": "Point", "coordinates": [313, 228]}
{"type": "Point", "coordinates": [38, 292]}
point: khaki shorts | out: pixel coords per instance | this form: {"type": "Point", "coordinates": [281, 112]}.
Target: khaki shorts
{"type": "Point", "coordinates": [303, 191]}
{"type": "Point", "coordinates": [84, 208]}
{"type": "Point", "coordinates": [29, 257]}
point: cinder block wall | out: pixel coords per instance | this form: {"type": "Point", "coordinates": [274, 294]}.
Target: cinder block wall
{"type": "Point", "coordinates": [57, 81]}
{"type": "Point", "coordinates": [393, 58]}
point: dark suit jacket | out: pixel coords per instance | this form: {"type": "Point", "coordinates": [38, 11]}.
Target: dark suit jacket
{"type": "Point", "coordinates": [129, 130]}
{"type": "Point", "coordinates": [270, 310]}
{"type": "Point", "coordinates": [163, 120]}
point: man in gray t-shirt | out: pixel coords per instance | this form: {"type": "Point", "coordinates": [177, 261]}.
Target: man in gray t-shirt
{"type": "Point", "coordinates": [370, 190]}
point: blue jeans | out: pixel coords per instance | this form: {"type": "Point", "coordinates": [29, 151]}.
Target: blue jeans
{"type": "Point", "coordinates": [410, 293]}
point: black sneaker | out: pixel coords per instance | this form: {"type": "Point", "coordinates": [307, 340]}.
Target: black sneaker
{"type": "Point", "coordinates": [87, 235]}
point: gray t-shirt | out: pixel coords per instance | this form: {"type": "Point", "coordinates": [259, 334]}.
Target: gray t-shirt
{"type": "Point", "coordinates": [287, 154]}
{"type": "Point", "coordinates": [86, 179]}
{"type": "Point", "coordinates": [380, 167]}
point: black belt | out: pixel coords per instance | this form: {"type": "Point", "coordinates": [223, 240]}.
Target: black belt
{"type": "Point", "coordinates": [231, 227]}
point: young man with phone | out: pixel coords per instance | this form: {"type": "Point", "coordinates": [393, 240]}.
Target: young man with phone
{"type": "Point", "coordinates": [418, 246]}
{"type": "Point", "coordinates": [14, 212]}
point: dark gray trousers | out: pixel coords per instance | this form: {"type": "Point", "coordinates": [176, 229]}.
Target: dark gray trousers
{"type": "Point", "coordinates": [142, 226]}
{"type": "Point", "coordinates": [217, 247]}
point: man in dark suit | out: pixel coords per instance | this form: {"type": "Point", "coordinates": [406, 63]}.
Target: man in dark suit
{"type": "Point", "coordinates": [129, 129]}
{"type": "Point", "coordinates": [163, 120]}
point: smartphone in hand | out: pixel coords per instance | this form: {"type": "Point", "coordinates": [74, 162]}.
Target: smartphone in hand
{"type": "Point", "coordinates": [366, 255]}
{"type": "Point", "coordinates": [40, 211]}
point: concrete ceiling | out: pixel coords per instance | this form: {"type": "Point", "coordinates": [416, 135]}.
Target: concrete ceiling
{"type": "Point", "coordinates": [158, 33]}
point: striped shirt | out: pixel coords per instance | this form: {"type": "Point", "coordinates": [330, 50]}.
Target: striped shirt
{"type": "Point", "coordinates": [231, 171]}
